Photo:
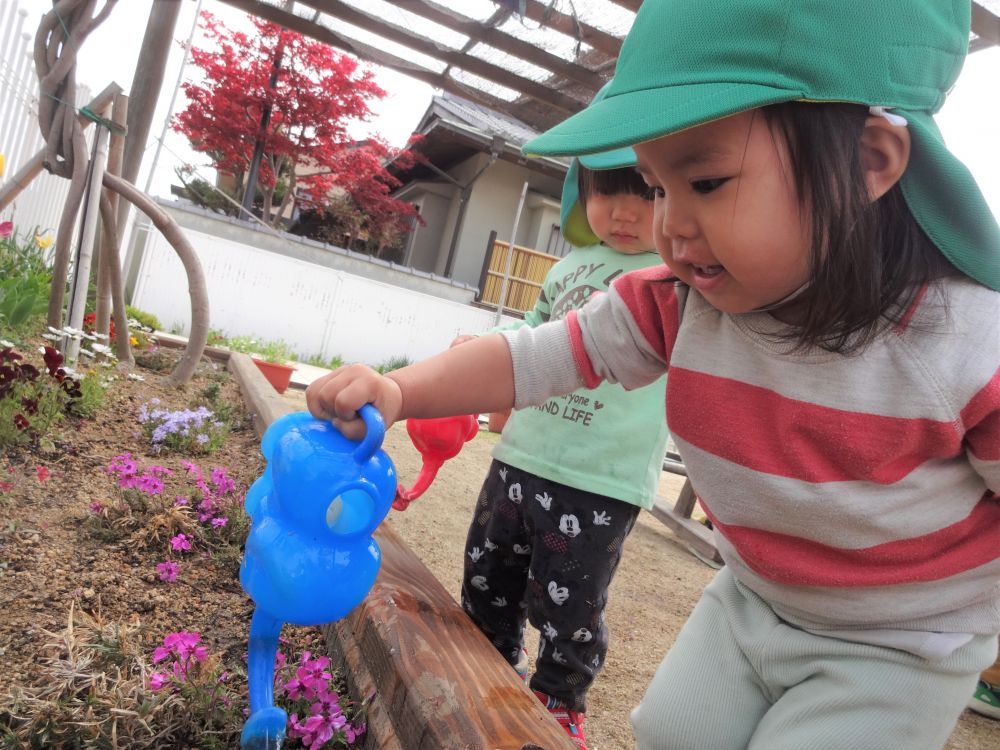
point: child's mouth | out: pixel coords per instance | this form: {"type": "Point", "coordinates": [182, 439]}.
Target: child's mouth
{"type": "Point", "coordinates": [707, 272]}
{"type": "Point", "coordinates": [707, 278]}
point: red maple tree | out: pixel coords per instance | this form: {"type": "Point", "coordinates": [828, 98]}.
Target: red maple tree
{"type": "Point", "coordinates": [308, 156]}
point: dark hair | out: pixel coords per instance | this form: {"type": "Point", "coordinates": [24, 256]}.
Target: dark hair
{"type": "Point", "coordinates": [869, 259]}
{"type": "Point", "coordinates": [610, 182]}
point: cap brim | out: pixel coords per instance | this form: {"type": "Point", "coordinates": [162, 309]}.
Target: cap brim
{"type": "Point", "coordinates": [627, 118]}
{"type": "Point", "coordinates": [946, 201]}
{"type": "Point", "coordinates": [620, 157]}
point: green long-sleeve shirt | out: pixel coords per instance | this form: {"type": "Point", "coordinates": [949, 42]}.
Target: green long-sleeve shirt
{"type": "Point", "coordinates": [608, 440]}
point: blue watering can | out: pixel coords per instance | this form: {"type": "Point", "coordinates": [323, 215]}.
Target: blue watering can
{"type": "Point", "coordinates": [310, 557]}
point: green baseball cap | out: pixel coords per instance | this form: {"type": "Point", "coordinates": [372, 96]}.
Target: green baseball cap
{"type": "Point", "coordinates": [687, 63]}
{"type": "Point", "coordinates": [572, 213]}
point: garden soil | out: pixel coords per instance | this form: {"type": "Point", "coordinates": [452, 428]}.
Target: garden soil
{"type": "Point", "coordinates": [51, 559]}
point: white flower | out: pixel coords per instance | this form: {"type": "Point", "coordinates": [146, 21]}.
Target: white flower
{"type": "Point", "coordinates": [136, 376]}
{"type": "Point", "coordinates": [71, 331]}
{"type": "Point", "coordinates": [101, 336]}
{"type": "Point", "coordinates": [55, 331]}
{"type": "Point", "coordinates": [101, 348]}
{"type": "Point", "coordinates": [87, 353]}
{"type": "Point", "coordinates": [6, 344]}
{"type": "Point", "coordinates": [51, 337]}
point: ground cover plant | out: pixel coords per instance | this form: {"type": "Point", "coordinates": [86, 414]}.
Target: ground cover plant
{"type": "Point", "coordinates": [124, 624]}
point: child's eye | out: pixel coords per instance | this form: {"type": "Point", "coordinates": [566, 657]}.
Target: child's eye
{"type": "Point", "coordinates": [707, 186]}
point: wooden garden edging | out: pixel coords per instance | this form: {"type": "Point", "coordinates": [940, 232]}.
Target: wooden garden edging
{"type": "Point", "coordinates": [433, 680]}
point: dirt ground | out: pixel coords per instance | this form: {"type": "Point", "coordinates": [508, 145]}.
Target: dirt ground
{"type": "Point", "coordinates": [643, 618]}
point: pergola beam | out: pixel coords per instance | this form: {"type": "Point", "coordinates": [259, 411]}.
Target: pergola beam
{"type": "Point", "coordinates": [501, 40]}
{"type": "Point", "coordinates": [538, 12]}
{"type": "Point", "coordinates": [367, 52]}
{"type": "Point", "coordinates": [474, 65]}
{"type": "Point", "coordinates": [986, 26]}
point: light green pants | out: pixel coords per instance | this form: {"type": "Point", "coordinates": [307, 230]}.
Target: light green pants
{"type": "Point", "coordinates": [739, 677]}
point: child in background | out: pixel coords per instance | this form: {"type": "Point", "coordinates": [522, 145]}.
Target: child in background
{"type": "Point", "coordinates": [569, 477]}
{"type": "Point", "coordinates": [830, 326]}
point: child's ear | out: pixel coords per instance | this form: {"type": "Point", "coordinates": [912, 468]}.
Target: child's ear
{"type": "Point", "coordinates": [885, 152]}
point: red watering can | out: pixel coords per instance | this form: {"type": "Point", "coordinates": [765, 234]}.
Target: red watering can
{"type": "Point", "coordinates": [437, 440]}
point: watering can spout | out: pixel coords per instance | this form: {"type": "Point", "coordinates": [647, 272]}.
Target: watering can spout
{"type": "Point", "coordinates": [427, 473]}
{"type": "Point", "coordinates": [437, 440]}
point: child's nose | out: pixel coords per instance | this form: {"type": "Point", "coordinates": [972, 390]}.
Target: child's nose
{"type": "Point", "coordinates": [673, 219]}
{"type": "Point", "coordinates": [623, 212]}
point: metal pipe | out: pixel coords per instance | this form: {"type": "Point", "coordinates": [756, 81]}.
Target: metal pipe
{"type": "Point", "coordinates": [510, 255]}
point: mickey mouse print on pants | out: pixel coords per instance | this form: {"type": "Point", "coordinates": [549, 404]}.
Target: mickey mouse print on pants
{"type": "Point", "coordinates": [532, 552]}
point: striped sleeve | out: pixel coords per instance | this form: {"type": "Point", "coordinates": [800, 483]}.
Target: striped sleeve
{"type": "Point", "coordinates": [626, 336]}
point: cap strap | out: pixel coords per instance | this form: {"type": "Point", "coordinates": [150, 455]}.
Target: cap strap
{"type": "Point", "coordinates": [893, 119]}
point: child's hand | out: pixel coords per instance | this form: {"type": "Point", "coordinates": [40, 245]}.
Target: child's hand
{"type": "Point", "coordinates": [461, 339]}
{"type": "Point", "coordinates": [339, 395]}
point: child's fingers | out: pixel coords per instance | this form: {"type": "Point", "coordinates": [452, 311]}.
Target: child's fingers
{"type": "Point", "coordinates": [316, 401]}
{"type": "Point", "coordinates": [325, 399]}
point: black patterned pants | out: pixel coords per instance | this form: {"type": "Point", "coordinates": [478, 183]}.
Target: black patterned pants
{"type": "Point", "coordinates": [545, 552]}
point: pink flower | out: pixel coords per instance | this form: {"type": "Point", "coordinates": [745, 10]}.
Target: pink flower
{"type": "Point", "coordinates": [6, 229]}
{"type": "Point", "coordinates": [167, 570]}
{"type": "Point", "coordinates": [180, 501]}
{"type": "Point", "coordinates": [96, 507]}
{"type": "Point", "coordinates": [42, 473]}
{"type": "Point", "coordinates": [180, 543]}
{"type": "Point", "coordinates": [218, 523]}
{"type": "Point", "coordinates": [157, 680]}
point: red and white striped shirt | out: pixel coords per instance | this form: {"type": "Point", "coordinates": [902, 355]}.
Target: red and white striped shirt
{"type": "Point", "coordinates": [850, 492]}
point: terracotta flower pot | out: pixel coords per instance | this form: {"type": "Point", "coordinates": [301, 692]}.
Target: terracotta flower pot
{"type": "Point", "coordinates": [278, 375]}
{"type": "Point", "coordinates": [497, 420]}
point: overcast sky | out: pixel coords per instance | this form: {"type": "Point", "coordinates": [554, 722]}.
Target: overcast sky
{"type": "Point", "coordinates": [969, 118]}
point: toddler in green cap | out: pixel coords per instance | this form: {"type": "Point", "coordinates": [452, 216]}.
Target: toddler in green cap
{"type": "Point", "coordinates": [569, 478]}
{"type": "Point", "coordinates": [828, 317]}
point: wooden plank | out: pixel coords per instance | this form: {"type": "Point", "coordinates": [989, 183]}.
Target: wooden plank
{"type": "Point", "coordinates": [678, 519]}
{"type": "Point", "coordinates": [437, 677]}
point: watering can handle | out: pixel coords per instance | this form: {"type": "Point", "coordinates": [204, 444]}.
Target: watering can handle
{"type": "Point", "coordinates": [372, 418]}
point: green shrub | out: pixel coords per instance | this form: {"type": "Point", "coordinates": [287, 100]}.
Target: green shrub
{"type": "Point", "coordinates": [147, 319]}
{"type": "Point", "coordinates": [394, 363]}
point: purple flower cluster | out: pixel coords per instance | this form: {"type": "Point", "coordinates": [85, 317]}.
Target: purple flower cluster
{"type": "Point", "coordinates": [217, 492]}
{"type": "Point", "coordinates": [184, 649]}
{"type": "Point", "coordinates": [185, 428]}
{"type": "Point", "coordinates": [148, 481]}
{"type": "Point", "coordinates": [325, 720]}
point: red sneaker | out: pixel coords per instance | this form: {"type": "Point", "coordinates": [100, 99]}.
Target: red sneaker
{"type": "Point", "coordinates": [571, 721]}
{"type": "Point", "coordinates": [522, 665]}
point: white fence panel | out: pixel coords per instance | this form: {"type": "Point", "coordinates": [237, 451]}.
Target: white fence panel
{"type": "Point", "coordinates": [40, 204]}
{"type": "Point", "coordinates": [317, 310]}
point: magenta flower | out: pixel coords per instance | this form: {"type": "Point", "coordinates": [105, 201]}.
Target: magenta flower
{"type": "Point", "coordinates": [218, 523]}
{"type": "Point", "coordinates": [96, 507]}
{"type": "Point", "coordinates": [180, 543]}
{"type": "Point", "coordinates": [167, 570]}
{"type": "Point", "coordinates": [6, 229]}
{"type": "Point", "coordinates": [157, 680]}
{"type": "Point", "coordinates": [180, 501]}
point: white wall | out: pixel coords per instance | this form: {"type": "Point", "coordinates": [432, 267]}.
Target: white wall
{"type": "Point", "coordinates": [315, 308]}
